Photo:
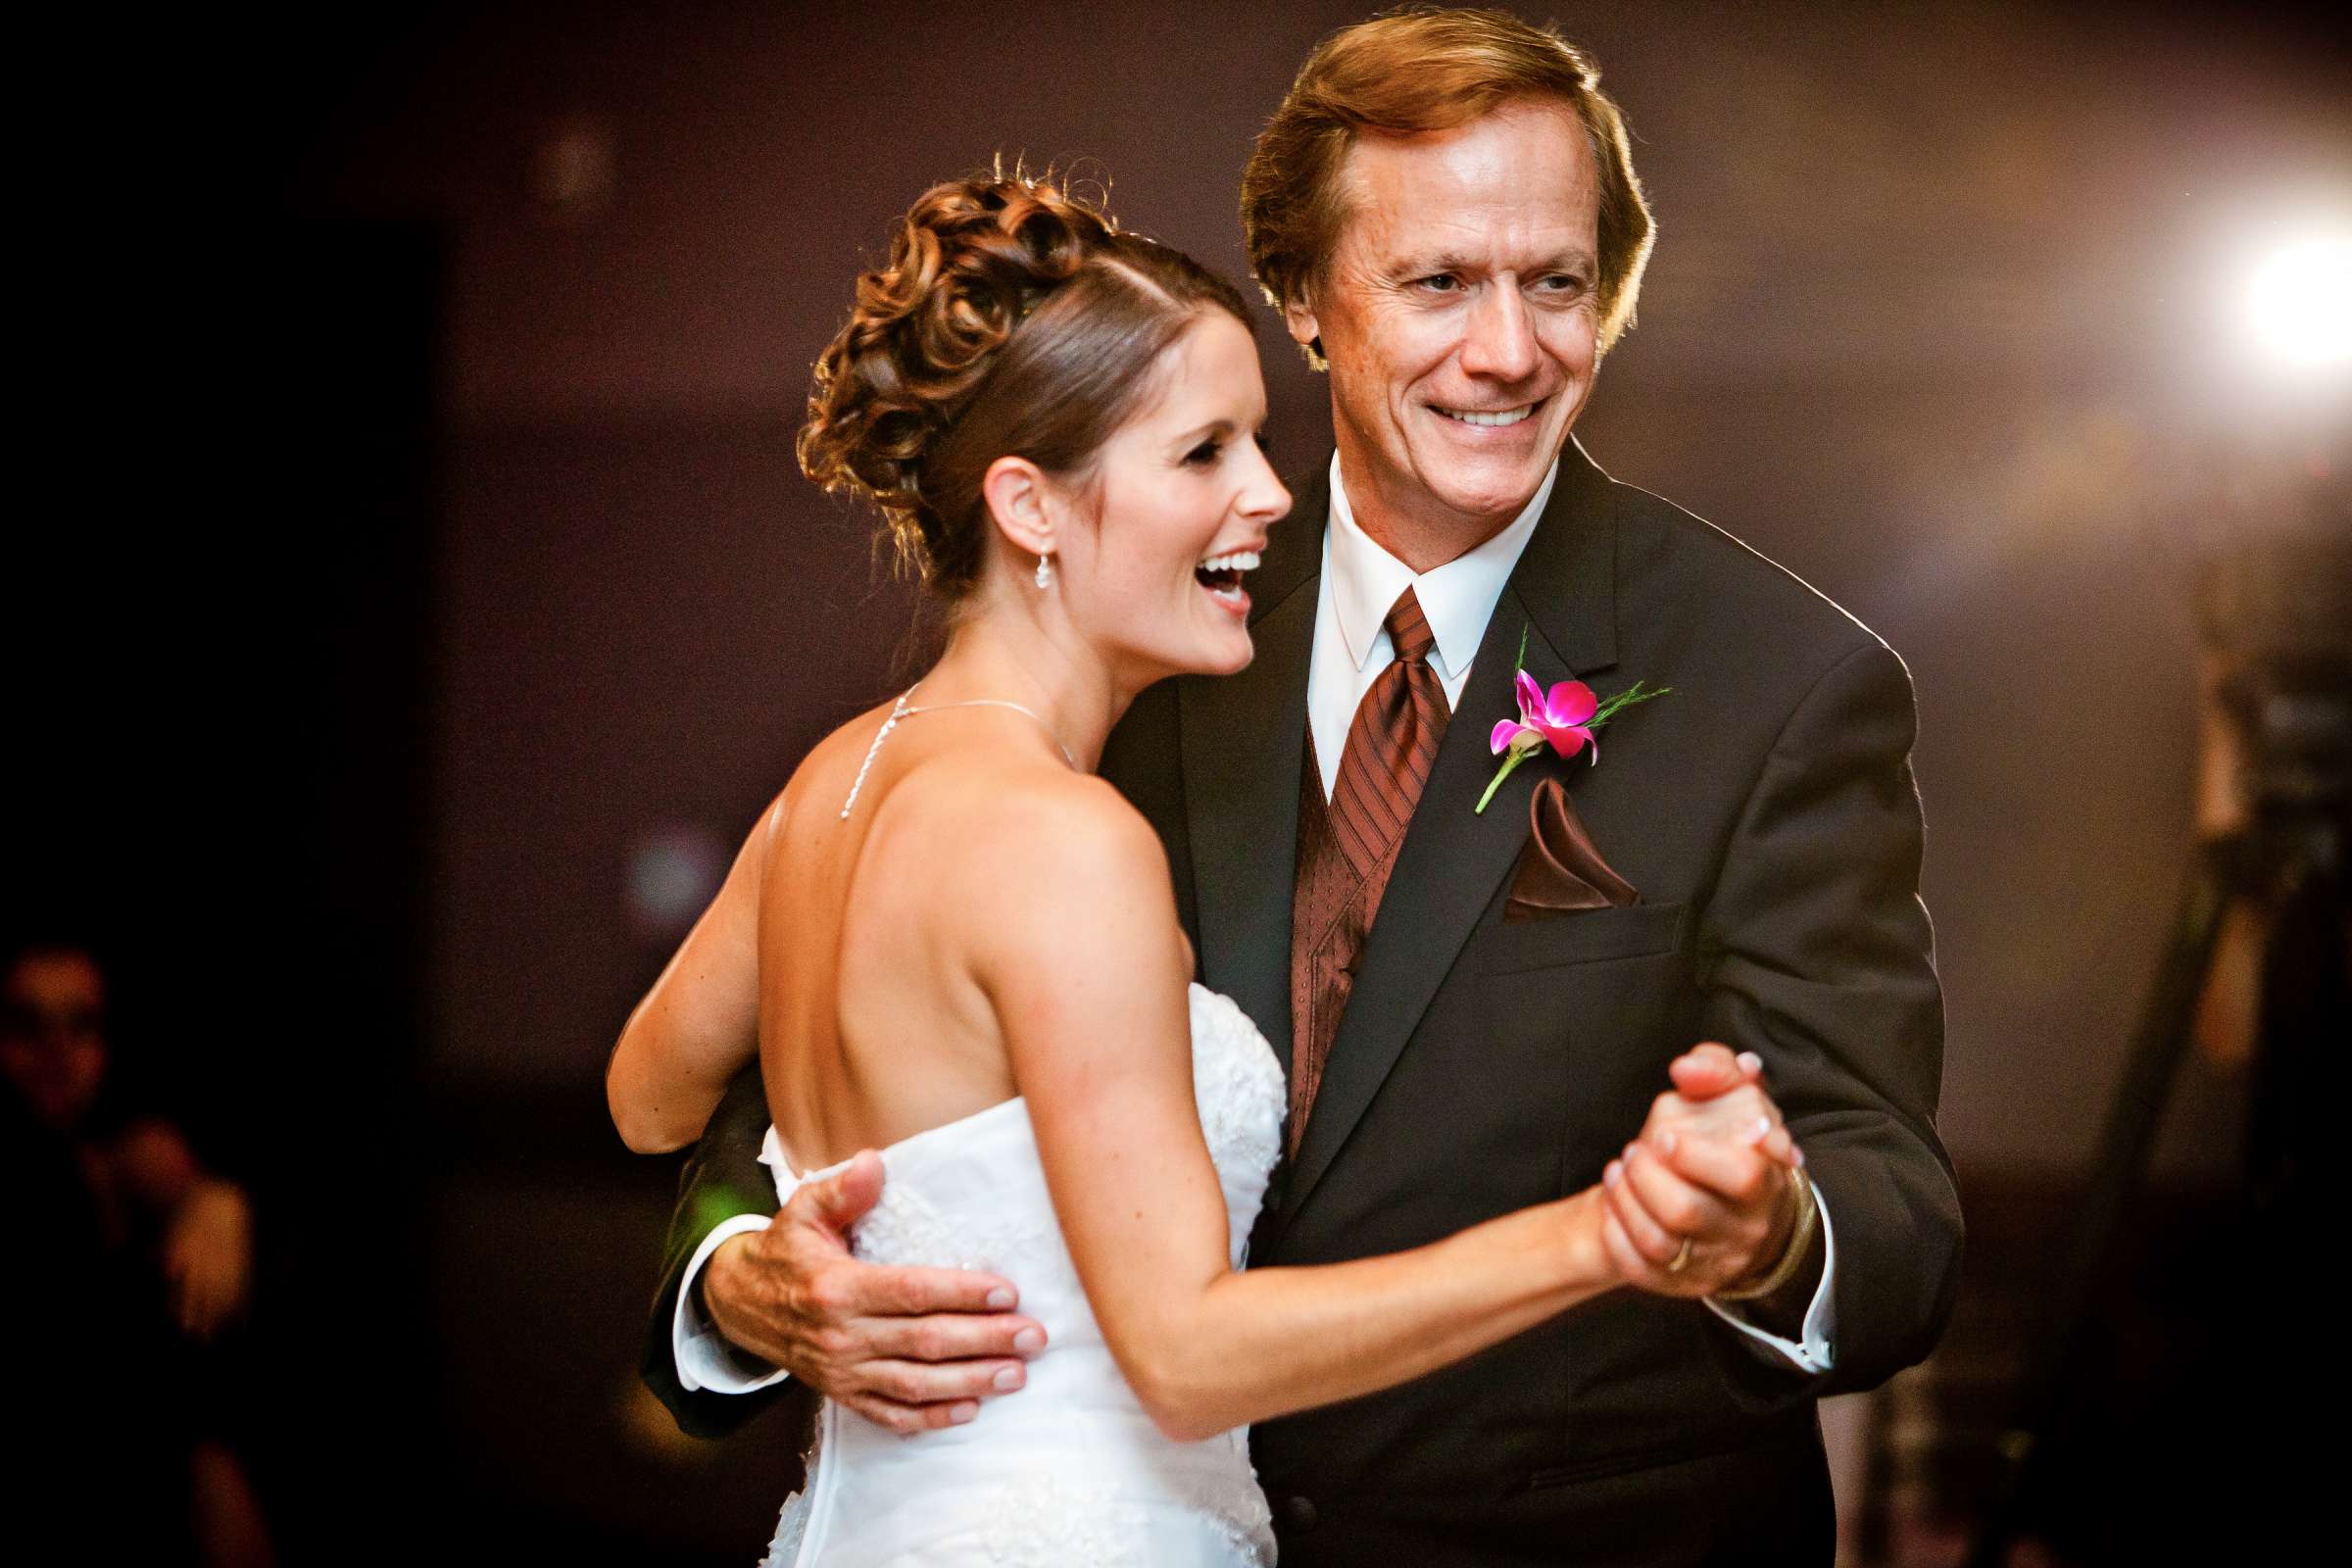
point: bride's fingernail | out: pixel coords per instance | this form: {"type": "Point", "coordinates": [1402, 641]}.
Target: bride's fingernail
{"type": "Point", "coordinates": [1796, 1156]}
{"type": "Point", "coordinates": [963, 1413]}
{"type": "Point", "coordinates": [1751, 1061]}
{"type": "Point", "coordinates": [1000, 1299]}
{"type": "Point", "coordinates": [1666, 1142]}
{"type": "Point", "coordinates": [1763, 1128]}
{"type": "Point", "coordinates": [1029, 1340]}
{"type": "Point", "coordinates": [1009, 1379]}
{"type": "Point", "coordinates": [1614, 1173]}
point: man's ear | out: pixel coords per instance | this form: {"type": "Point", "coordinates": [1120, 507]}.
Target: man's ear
{"type": "Point", "coordinates": [1019, 504]}
{"type": "Point", "coordinates": [1298, 318]}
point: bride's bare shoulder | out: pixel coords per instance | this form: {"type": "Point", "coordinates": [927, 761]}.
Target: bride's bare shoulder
{"type": "Point", "coordinates": [1039, 846]}
{"type": "Point", "coordinates": [1038, 807]}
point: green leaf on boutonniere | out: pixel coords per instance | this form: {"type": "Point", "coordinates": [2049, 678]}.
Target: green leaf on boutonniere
{"type": "Point", "coordinates": [1563, 718]}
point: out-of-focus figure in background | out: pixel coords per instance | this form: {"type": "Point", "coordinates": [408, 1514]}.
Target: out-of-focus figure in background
{"type": "Point", "coordinates": [152, 1256]}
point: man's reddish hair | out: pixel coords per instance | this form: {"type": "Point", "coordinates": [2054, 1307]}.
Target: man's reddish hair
{"type": "Point", "coordinates": [1416, 69]}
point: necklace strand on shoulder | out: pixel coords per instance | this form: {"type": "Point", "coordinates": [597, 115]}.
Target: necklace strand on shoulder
{"type": "Point", "coordinates": [902, 710]}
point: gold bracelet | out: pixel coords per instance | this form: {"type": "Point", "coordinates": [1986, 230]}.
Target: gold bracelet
{"type": "Point", "coordinates": [1801, 1241]}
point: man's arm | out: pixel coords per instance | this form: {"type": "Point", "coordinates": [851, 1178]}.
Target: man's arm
{"type": "Point", "coordinates": [1817, 955]}
{"type": "Point", "coordinates": [1821, 965]}
{"type": "Point", "coordinates": [722, 1179]}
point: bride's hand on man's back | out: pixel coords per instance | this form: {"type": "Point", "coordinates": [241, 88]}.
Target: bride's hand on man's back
{"type": "Point", "coordinates": [908, 1349]}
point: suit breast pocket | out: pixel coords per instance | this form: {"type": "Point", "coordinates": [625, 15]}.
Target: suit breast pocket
{"type": "Point", "coordinates": [1587, 936]}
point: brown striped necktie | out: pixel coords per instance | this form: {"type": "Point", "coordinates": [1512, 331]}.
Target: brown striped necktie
{"type": "Point", "coordinates": [1347, 848]}
{"type": "Point", "coordinates": [1391, 744]}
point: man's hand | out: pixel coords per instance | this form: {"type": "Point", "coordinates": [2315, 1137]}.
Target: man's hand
{"type": "Point", "coordinates": [908, 1349]}
{"type": "Point", "coordinates": [1703, 1200]}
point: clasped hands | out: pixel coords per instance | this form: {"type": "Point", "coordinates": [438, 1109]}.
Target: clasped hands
{"type": "Point", "coordinates": [1702, 1201]}
{"type": "Point", "coordinates": [1706, 1199]}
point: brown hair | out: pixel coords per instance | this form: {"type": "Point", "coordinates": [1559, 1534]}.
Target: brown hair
{"type": "Point", "coordinates": [1011, 318]}
{"type": "Point", "coordinates": [1422, 68]}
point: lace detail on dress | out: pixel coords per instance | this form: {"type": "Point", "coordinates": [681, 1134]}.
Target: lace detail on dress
{"type": "Point", "coordinates": [1236, 1502]}
{"type": "Point", "coordinates": [1234, 1078]}
{"type": "Point", "coordinates": [784, 1551]}
{"type": "Point", "coordinates": [906, 1228]}
{"type": "Point", "coordinates": [1044, 1522]}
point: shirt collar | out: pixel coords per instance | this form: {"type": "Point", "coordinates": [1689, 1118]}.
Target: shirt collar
{"type": "Point", "coordinates": [1458, 598]}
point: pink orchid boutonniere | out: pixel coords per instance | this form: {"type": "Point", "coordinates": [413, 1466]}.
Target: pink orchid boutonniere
{"type": "Point", "coordinates": [1562, 719]}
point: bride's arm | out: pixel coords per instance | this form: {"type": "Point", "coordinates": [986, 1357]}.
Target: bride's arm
{"type": "Point", "coordinates": [1078, 948]}
{"type": "Point", "coordinates": [700, 1023]}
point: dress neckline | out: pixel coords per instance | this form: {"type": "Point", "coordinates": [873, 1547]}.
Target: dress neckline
{"type": "Point", "coordinates": [775, 1156]}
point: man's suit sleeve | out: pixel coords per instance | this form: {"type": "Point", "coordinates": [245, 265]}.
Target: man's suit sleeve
{"type": "Point", "coordinates": [1817, 953]}
{"type": "Point", "coordinates": [723, 1178]}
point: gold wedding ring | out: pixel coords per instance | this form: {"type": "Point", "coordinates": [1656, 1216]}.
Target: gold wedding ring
{"type": "Point", "coordinates": [1682, 1257]}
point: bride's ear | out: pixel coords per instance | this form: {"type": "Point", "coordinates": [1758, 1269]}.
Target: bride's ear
{"type": "Point", "coordinates": [1020, 503]}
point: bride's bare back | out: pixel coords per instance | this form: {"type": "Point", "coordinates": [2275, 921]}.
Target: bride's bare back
{"type": "Point", "coordinates": [872, 1024]}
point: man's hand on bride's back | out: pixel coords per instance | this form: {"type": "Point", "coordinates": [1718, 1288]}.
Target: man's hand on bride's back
{"type": "Point", "coordinates": [910, 1348]}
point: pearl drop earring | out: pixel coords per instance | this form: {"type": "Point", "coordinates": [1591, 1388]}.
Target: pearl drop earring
{"type": "Point", "coordinates": [1044, 569]}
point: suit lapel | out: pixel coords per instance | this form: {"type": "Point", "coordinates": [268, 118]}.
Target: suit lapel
{"type": "Point", "coordinates": [1563, 593]}
{"type": "Point", "coordinates": [1242, 740]}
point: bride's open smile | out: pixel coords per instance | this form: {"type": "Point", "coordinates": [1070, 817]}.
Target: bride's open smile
{"type": "Point", "coordinates": [1182, 497]}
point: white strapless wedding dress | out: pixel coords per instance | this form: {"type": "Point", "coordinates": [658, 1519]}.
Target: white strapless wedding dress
{"type": "Point", "coordinates": [1069, 1470]}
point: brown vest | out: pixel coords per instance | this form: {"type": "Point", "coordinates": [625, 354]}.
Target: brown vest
{"type": "Point", "coordinates": [1331, 914]}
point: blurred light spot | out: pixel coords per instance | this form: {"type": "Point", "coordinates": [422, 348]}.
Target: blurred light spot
{"type": "Point", "coordinates": [572, 172]}
{"type": "Point", "coordinates": [2300, 302]}
{"type": "Point", "coordinates": [2078, 472]}
{"type": "Point", "coordinates": [673, 875]}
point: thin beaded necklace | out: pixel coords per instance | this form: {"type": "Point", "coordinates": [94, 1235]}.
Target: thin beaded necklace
{"type": "Point", "coordinates": [902, 710]}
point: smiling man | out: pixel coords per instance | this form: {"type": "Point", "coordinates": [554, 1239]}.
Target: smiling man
{"type": "Point", "coordinates": [1476, 1006]}
{"type": "Point", "coordinates": [1458, 316]}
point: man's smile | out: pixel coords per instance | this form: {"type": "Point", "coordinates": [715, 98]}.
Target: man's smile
{"type": "Point", "coordinates": [1489, 418]}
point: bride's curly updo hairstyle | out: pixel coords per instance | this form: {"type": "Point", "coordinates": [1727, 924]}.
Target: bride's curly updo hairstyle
{"type": "Point", "coordinates": [1011, 318]}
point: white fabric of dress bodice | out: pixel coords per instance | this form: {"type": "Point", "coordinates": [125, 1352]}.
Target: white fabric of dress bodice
{"type": "Point", "coordinates": [1070, 1469]}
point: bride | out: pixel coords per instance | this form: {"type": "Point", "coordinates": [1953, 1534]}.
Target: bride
{"type": "Point", "coordinates": [949, 941]}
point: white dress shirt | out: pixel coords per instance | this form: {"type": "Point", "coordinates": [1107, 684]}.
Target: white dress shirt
{"type": "Point", "coordinates": [1359, 582]}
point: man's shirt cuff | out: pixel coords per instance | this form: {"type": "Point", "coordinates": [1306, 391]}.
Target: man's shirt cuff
{"type": "Point", "coordinates": [1816, 1349]}
{"type": "Point", "coordinates": [707, 1363]}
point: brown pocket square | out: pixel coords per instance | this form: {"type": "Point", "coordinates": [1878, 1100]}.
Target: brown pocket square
{"type": "Point", "coordinates": [1561, 869]}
